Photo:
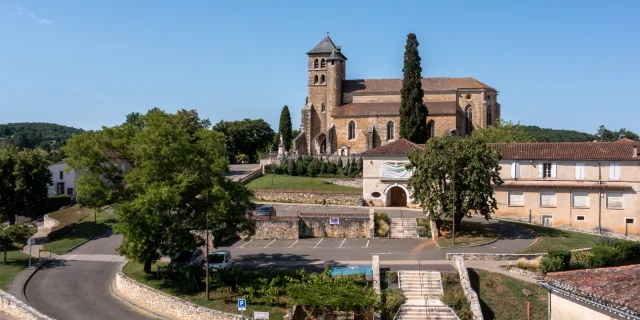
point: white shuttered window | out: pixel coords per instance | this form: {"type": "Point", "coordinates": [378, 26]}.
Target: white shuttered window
{"type": "Point", "coordinates": [516, 198]}
{"type": "Point", "coordinates": [580, 171]}
{"type": "Point", "coordinates": [548, 198]}
{"type": "Point", "coordinates": [580, 199]}
{"type": "Point", "coordinates": [614, 171]}
{"type": "Point", "coordinates": [515, 170]}
{"type": "Point", "coordinates": [615, 200]}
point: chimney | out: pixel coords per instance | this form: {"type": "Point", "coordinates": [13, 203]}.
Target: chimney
{"type": "Point", "coordinates": [635, 151]}
{"type": "Point", "coordinates": [338, 48]}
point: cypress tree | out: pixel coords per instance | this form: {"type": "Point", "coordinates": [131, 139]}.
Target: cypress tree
{"type": "Point", "coordinates": [413, 114]}
{"type": "Point", "coordinates": [285, 128]}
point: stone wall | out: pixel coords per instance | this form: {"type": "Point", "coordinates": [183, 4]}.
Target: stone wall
{"type": "Point", "coordinates": [311, 198]}
{"type": "Point", "coordinates": [347, 228]}
{"type": "Point", "coordinates": [278, 228]}
{"type": "Point", "coordinates": [17, 309]}
{"type": "Point", "coordinates": [162, 303]}
{"type": "Point", "coordinates": [50, 223]}
{"type": "Point", "coordinates": [525, 273]}
{"type": "Point", "coordinates": [472, 296]}
{"type": "Point", "coordinates": [354, 183]}
{"type": "Point", "coordinates": [495, 256]}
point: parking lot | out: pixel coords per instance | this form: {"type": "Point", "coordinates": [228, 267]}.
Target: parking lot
{"type": "Point", "coordinates": [315, 243]}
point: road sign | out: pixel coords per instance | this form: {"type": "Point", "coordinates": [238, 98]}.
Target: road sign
{"type": "Point", "coordinates": [334, 220]}
{"type": "Point", "coordinates": [32, 241]}
{"type": "Point", "coordinates": [242, 304]}
{"type": "Point", "coordinates": [260, 315]}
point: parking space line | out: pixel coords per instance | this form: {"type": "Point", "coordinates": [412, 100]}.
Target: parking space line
{"type": "Point", "coordinates": [246, 243]}
{"type": "Point", "coordinates": [294, 243]}
{"type": "Point", "coordinates": [289, 207]}
{"type": "Point", "coordinates": [318, 242]}
{"type": "Point", "coordinates": [367, 244]}
{"type": "Point", "coordinates": [345, 239]}
{"type": "Point", "coordinates": [274, 240]}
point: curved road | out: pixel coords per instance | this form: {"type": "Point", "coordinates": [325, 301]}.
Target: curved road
{"type": "Point", "coordinates": [79, 287]}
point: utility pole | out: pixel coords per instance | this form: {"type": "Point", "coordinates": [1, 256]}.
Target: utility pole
{"type": "Point", "coordinates": [206, 260]}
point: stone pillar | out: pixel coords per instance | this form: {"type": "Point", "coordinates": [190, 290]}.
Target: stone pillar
{"type": "Point", "coordinates": [281, 148]}
{"type": "Point", "coordinates": [372, 224]}
{"type": "Point", "coordinates": [375, 266]}
{"type": "Point", "coordinates": [434, 230]}
{"type": "Point", "coordinates": [370, 138]}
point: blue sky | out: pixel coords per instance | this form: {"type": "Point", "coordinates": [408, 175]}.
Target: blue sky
{"type": "Point", "coordinates": [557, 64]}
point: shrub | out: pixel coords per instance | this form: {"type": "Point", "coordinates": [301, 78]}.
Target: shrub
{"type": "Point", "coordinates": [323, 168]}
{"type": "Point", "coordinates": [381, 224]}
{"type": "Point", "coordinates": [564, 255]}
{"type": "Point", "coordinates": [552, 264]}
{"type": "Point", "coordinates": [55, 203]}
{"type": "Point", "coordinates": [605, 256]}
{"type": "Point", "coordinates": [291, 168]}
{"type": "Point", "coordinates": [522, 263]}
{"type": "Point", "coordinates": [449, 279]}
{"type": "Point", "coordinates": [340, 164]}
{"type": "Point", "coordinates": [332, 167]}
{"type": "Point", "coordinates": [454, 299]}
{"type": "Point", "coordinates": [301, 168]}
{"type": "Point", "coordinates": [393, 300]}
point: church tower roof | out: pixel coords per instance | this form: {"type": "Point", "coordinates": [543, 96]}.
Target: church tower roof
{"type": "Point", "coordinates": [325, 46]}
{"type": "Point", "coordinates": [336, 55]}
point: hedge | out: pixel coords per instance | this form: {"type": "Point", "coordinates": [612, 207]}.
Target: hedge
{"type": "Point", "coordinates": [55, 203]}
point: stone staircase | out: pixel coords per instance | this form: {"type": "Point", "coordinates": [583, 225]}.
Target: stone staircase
{"type": "Point", "coordinates": [422, 290]}
{"type": "Point", "coordinates": [403, 228]}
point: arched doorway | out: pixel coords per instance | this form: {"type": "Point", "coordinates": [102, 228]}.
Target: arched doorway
{"type": "Point", "coordinates": [397, 197]}
{"type": "Point", "coordinates": [321, 144]}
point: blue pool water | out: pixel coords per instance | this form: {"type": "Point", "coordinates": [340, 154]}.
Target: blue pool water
{"type": "Point", "coordinates": [341, 271]}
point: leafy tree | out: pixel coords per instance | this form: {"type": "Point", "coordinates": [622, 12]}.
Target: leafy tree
{"type": "Point", "coordinates": [24, 180]}
{"type": "Point", "coordinates": [347, 168]}
{"type": "Point", "coordinates": [246, 136]}
{"type": "Point", "coordinates": [603, 134]}
{"type": "Point", "coordinates": [628, 134]}
{"type": "Point", "coordinates": [502, 131]}
{"type": "Point", "coordinates": [285, 128]}
{"type": "Point", "coordinates": [17, 233]}
{"type": "Point", "coordinates": [556, 135]}
{"type": "Point", "coordinates": [439, 177]}
{"type": "Point", "coordinates": [172, 158]}
{"type": "Point", "coordinates": [413, 113]}
{"type": "Point", "coordinates": [31, 135]}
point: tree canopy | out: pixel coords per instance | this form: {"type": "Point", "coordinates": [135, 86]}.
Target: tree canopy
{"type": "Point", "coordinates": [246, 136]}
{"type": "Point", "coordinates": [413, 113]}
{"type": "Point", "coordinates": [24, 180]}
{"type": "Point", "coordinates": [151, 168]}
{"type": "Point", "coordinates": [502, 131]}
{"type": "Point", "coordinates": [285, 129]}
{"type": "Point", "coordinates": [455, 170]}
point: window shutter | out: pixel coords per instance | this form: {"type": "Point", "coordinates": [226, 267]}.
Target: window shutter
{"type": "Point", "coordinates": [548, 198]}
{"type": "Point", "coordinates": [517, 170]}
{"type": "Point", "coordinates": [612, 171]}
{"type": "Point", "coordinates": [581, 199]}
{"type": "Point", "coordinates": [583, 171]}
{"type": "Point", "coordinates": [513, 170]}
{"type": "Point", "coordinates": [615, 200]}
{"type": "Point", "coordinates": [617, 171]}
{"type": "Point", "coordinates": [516, 197]}
{"type": "Point", "coordinates": [553, 170]}
{"type": "Point", "coordinates": [578, 171]}
{"type": "Point", "coordinates": [540, 169]}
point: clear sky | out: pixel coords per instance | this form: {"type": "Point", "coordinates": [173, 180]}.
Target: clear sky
{"type": "Point", "coordinates": [557, 64]}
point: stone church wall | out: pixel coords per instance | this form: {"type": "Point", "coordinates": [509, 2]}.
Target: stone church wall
{"type": "Point", "coordinates": [359, 144]}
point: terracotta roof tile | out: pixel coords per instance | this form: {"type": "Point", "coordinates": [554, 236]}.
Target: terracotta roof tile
{"type": "Point", "coordinates": [399, 147]}
{"type": "Point", "coordinates": [567, 151]}
{"type": "Point", "coordinates": [617, 287]}
{"type": "Point", "coordinates": [368, 86]}
{"type": "Point", "coordinates": [390, 109]}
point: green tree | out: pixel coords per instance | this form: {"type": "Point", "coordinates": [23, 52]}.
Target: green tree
{"type": "Point", "coordinates": [171, 158]}
{"type": "Point", "coordinates": [360, 164]}
{"type": "Point", "coordinates": [285, 128]}
{"type": "Point", "coordinates": [246, 136]}
{"type": "Point", "coordinates": [324, 167]}
{"type": "Point", "coordinates": [455, 170]}
{"type": "Point", "coordinates": [413, 113]}
{"type": "Point", "coordinates": [17, 233]}
{"type": "Point", "coordinates": [627, 134]}
{"type": "Point", "coordinates": [24, 180]}
{"type": "Point", "coordinates": [502, 131]}
{"type": "Point", "coordinates": [603, 134]}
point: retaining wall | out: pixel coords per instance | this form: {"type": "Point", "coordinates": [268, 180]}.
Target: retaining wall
{"type": "Point", "coordinates": [317, 227]}
{"type": "Point", "coordinates": [472, 296]}
{"type": "Point", "coordinates": [495, 256]}
{"type": "Point", "coordinates": [286, 229]}
{"type": "Point", "coordinates": [309, 198]}
{"type": "Point", "coordinates": [162, 303]}
{"type": "Point", "coordinates": [50, 223]}
{"type": "Point", "coordinates": [17, 309]}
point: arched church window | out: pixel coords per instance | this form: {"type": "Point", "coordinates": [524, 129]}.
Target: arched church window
{"type": "Point", "coordinates": [322, 108]}
{"type": "Point", "coordinates": [315, 79]}
{"type": "Point", "coordinates": [315, 63]}
{"type": "Point", "coordinates": [431, 129]}
{"type": "Point", "coordinates": [323, 64]}
{"type": "Point", "coordinates": [322, 78]}
{"type": "Point", "coordinates": [468, 120]}
{"type": "Point", "coordinates": [390, 130]}
{"type": "Point", "coordinates": [352, 130]}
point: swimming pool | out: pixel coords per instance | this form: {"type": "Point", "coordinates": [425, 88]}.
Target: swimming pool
{"type": "Point", "coordinates": [347, 270]}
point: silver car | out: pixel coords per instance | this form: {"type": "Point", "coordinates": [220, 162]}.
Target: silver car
{"type": "Point", "coordinates": [219, 260]}
{"type": "Point", "coordinates": [191, 258]}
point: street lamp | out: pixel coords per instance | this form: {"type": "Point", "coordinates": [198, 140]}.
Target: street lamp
{"type": "Point", "coordinates": [453, 202]}
{"type": "Point", "coordinates": [206, 260]}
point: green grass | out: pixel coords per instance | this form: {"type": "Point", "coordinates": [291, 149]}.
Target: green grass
{"type": "Point", "coordinates": [16, 262]}
{"type": "Point", "coordinates": [469, 233]}
{"type": "Point", "coordinates": [68, 216]}
{"type": "Point", "coordinates": [85, 229]}
{"type": "Point", "coordinates": [293, 183]}
{"type": "Point", "coordinates": [557, 239]}
{"type": "Point", "coordinates": [134, 271]}
{"type": "Point", "coordinates": [501, 296]}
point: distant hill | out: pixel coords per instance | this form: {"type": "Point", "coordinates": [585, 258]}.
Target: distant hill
{"type": "Point", "coordinates": [557, 135]}
{"type": "Point", "coordinates": [46, 136]}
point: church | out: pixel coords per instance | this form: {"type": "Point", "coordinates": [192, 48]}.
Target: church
{"type": "Point", "coordinates": [348, 117]}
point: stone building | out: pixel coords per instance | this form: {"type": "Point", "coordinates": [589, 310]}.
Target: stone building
{"type": "Point", "coordinates": [352, 116]}
{"type": "Point", "coordinates": [591, 186]}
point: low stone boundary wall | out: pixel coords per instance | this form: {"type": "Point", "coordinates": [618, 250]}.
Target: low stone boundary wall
{"type": "Point", "coordinates": [472, 295]}
{"type": "Point", "coordinates": [252, 175]}
{"type": "Point", "coordinates": [346, 228]}
{"type": "Point", "coordinates": [17, 309]}
{"type": "Point", "coordinates": [309, 198]}
{"type": "Point", "coordinates": [162, 303]}
{"type": "Point", "coordinates": [494, 256]}
{"type": "Point", "coordinates": [278, 228]}
{"type": "Point", "coordinates": [50, 223]}
{"type": "Point", "coordinates": [525, 273]}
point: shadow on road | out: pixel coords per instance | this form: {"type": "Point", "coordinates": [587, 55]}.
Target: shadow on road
{"type": "Point", "coordinates": [53, 264]}
{"type": "Point", "coordinates": [284, 261]}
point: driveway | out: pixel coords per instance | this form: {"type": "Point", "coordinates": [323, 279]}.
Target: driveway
{"type": "Point", "coordinates": [79, 288]}
{"type": "Point", "coordinates": [237, 171]}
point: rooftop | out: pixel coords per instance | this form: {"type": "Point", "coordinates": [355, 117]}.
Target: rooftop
{"type": "Point", "coordinates": [617, 288]}
{"type": "Point", "coordinates": [371, 86]}
{"type": "Point", "coordinates": [567, 151]}
{"type": "Point", "coordinates": [325, 46]}
{"type": "Point", "coordinates": [399, 147]}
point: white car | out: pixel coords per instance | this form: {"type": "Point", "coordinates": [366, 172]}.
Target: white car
{"type": "Point", "coordinates": [219, 260]}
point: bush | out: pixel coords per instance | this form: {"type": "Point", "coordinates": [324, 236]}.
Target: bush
{"type": "Point", "coordinates": [291, 168]}
{"type": "Point", "coordinates": [454, 299]}
{"type": "Point", "coordinates": [381, 224]}
{"type": "Point", "coordinates": [301, 168]}
{"type": "Point", "coordinates": [552, 264]}
{"type": "Point", "coordinates": [332, 167]}
{"type": "Point", "coordinates": [392, 301]}
{"type": "Point", "coordinates": [605, 256]}
{"type": "Point", "coordinates": [449, 279]}
{"type": "Point", "coordinates": [323, 167]}
{"type": "Point", "coordinates": [564, 255]}
{"type": "Point", "coordinates": [424, 227]}
{"type": "Point", "coordinates": [55, 203]}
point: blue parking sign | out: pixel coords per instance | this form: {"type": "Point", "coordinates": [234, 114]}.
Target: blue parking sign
{"type": "Point", "coordinates": [242, 304]}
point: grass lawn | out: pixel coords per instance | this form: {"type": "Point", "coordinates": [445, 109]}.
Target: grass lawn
{"type": "Point", "coordinates": [557, 239]}
{"type": "Point", "coordinates": [68, 216]}
{"type": "Point", "coordinates": [16, 261]}
{"type": "Point", "coordinates": [134, 271]}
{"type": "Point", "coordinates": [85, 229]}
{"type": "Point", "coordinates": [469, 233]}
{"type": "Point", "coordinates": [293, 183]}
{"type": "Point", "coordinates": [501, 296]}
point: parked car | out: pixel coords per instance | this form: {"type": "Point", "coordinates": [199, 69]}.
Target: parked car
{"type": "Point", "coordinates": [191, 258]}
{"type": "Point", "coordinates": [220, 260]}
{"type": "Point", "coordinates": [266, 211]}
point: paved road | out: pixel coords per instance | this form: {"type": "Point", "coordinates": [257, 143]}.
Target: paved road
{"type": "Point", "coordinates": [79, 288]}
{"type": "Point", "coordinates": [240, 170]}
{"type": "Point", "coordinates": [285, 209]}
